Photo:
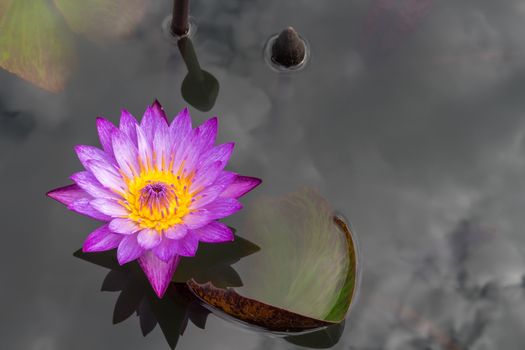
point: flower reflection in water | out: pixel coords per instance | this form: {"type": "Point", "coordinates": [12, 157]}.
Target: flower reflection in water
{"type": "Point", "coordinates": [171, 313]}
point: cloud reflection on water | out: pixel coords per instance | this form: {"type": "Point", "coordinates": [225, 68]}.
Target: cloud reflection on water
{"type": "Point", "coordinates": [408, 146]}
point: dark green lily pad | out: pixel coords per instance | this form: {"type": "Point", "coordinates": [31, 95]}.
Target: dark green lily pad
{"type": "Point", "coordinates": [304, 277]}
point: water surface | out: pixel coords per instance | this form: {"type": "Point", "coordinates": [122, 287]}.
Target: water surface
{"type": "Point", "coordinates": [408, 119]}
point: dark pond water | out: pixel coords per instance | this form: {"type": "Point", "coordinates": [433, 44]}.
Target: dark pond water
{"type": "Point", "coordinates": [409, 119]}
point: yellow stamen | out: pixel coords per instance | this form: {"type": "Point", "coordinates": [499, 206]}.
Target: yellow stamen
{"type": "Point", "coordinates": [158, 199]}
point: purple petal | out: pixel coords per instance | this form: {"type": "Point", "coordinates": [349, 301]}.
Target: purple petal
{"type": "Point", "coordinates": [126, 154]}
{"type": "Point", "coordinates": [129, 249]}
{"type": "Point", "coordinates": [218, 209]}
{"type": "Point", "coordinates": [87, 181]}
{"type": "Point", "coordinates": [100, 240]}
{"type": "Point", "coordinates": [158, 272]}
{"type": "Point", "coordinates": [206, 134]}
{"type": "Point", "coordinates": [109, 207]}
{"type": "Point", "coordinates": [128, 125]}
{"type": "Point", "coordinates": [240, 186]}
{"type": "Point", "coordinates": [214, 232]}
{"type": "Point", "coordinates": [206, 176]}
{"type": "Point", "coordinates": [201, 141]}
{"type": "Point", "coordinates": [77, 200]}
{"type": "Point", "coordinates": [105, 129]}
{"type": "Point", "coordinates": [182, 150]}
{"type": "Point", "coordinates": [221, 208]}
{"type": "Point", "coordinates": [88, 153]}
{"type": "Point", "coordinates": [149, 238]}
{"type": "Point", "coordinates": [123, 226]}
{"type": "Point", "coordinates": [162, 147]}
{"type": "Point", "coordinates": [166, 250]}
{"type": "Point", "coordinates": [206, 196]}
{"type": "Point", "coordinates": [181, 125]}
{"type": "Point", "coordinates": [107, 176]}
{"type": "Point", "coordinates": [176, 232]}
{"type": "Point", "coordinates": [145, 149]}
{"type": "Point", "coordinates": [221, 153]}
{"type": "Point", "coordinates": [197, 219]}
{"type": "Point", "coordinates": [159, 111]}
{"type": "Point", "coordinates": [188, 245]}
{"type": "Point", "coordinates": [225, 179]}
{"type": "Point", "coordinates": [68, 194]}
{"type": "Point", "coordinates": [83, 206]}
{"type": "Point", "coordinates": [153, 117]}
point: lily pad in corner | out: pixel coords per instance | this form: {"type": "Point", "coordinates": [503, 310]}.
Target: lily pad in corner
{"type": "Point", "coordinates": [304, 277]}
{"type": "Point", "coordinates": [35, 43]}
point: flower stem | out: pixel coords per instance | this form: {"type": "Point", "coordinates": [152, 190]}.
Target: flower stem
{"type": "Point", "coordinates": [180, 20]}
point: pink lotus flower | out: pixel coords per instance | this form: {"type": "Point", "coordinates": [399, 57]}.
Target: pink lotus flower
{"type": "Point", "coordinates": [160, 189]}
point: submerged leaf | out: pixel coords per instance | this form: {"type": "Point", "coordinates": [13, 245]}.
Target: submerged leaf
{"type": "Point", "coordinates": [100, 20]}
{"type": "Point", "coordinates": [305, 274]}
{"type": "Point", "coordinates": [35, 43]}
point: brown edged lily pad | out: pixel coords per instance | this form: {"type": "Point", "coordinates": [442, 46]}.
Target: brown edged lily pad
{"type": "Point", "coordinates": [303, 278]}
{"type": "Point", "coordinates": [253, 312]}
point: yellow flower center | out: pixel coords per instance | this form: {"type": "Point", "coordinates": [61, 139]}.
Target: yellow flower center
{"type": "Point", "coordinates": [158, 199]}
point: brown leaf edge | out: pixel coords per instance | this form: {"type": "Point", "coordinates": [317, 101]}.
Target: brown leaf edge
{"type": "Point", "coordinates": [254, 312]}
